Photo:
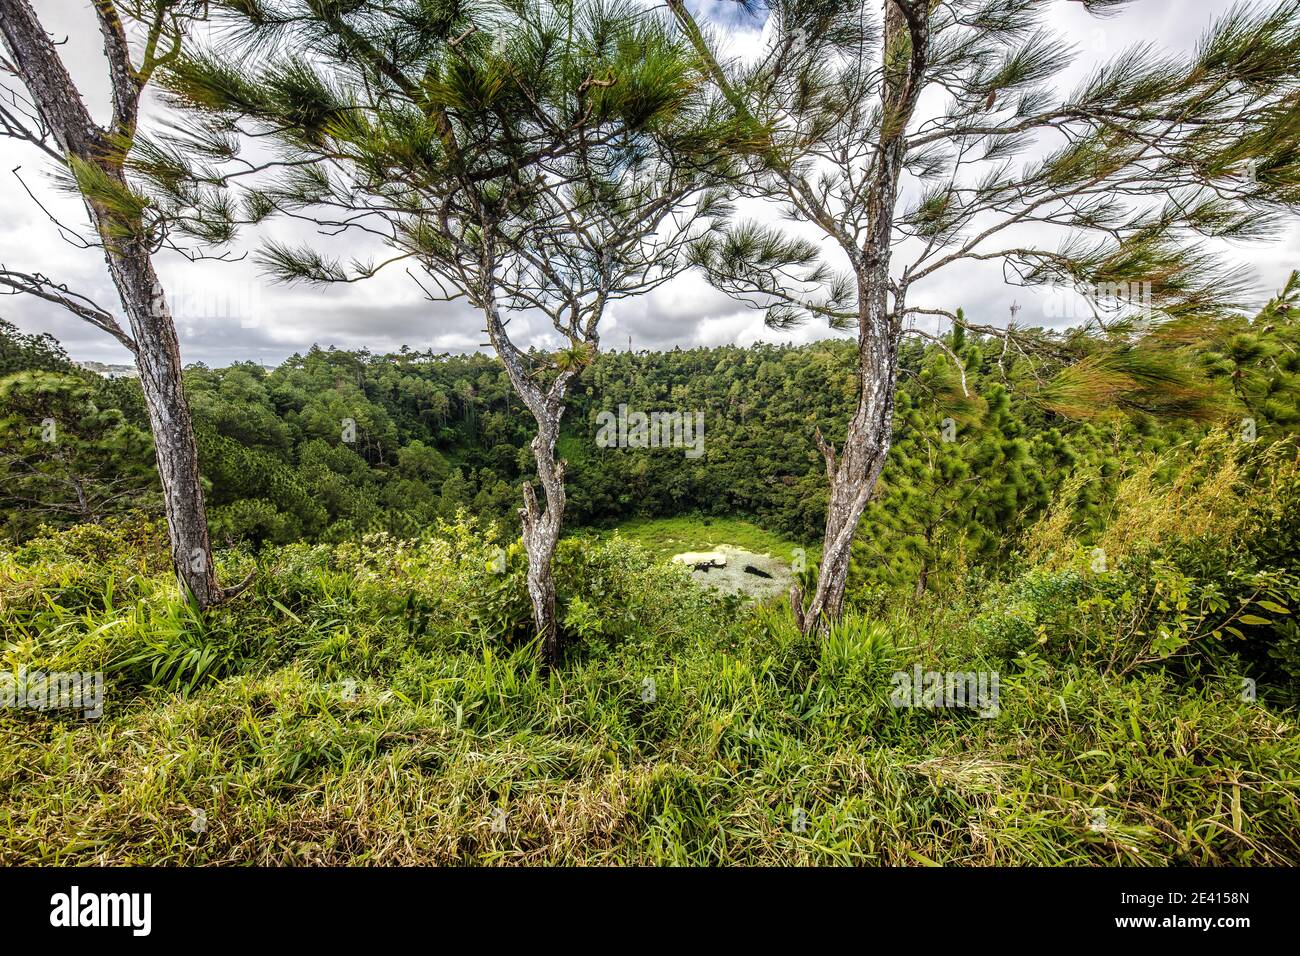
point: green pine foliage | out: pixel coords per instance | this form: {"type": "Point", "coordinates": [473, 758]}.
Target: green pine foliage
{"type": "Point", "coordinates": [69, 453]}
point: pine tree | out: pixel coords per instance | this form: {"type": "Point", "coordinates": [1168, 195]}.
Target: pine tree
{"type": "Point", "coordinates": [63, 457]}
{"type": "Point", "coordinates": [1151, 154]}
{"type": "Point", "coordinates": [530, 156]}
{"type": "Point", "coordinates": [1258, 361]}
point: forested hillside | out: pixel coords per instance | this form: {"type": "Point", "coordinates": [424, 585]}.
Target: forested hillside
{"type": "Point", "coordinates": [333, 444]}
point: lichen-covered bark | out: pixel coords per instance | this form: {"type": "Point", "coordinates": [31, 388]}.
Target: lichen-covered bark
{"type": "Point", "coordinates": [541, 533]}
{"type": "Point", "coordinates": [158, 357]}
{"type": "Point", "coordinates": [542, 520]}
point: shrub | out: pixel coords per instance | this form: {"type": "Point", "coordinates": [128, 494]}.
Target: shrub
{"type": "Point", "coordinates": [1196, 568]}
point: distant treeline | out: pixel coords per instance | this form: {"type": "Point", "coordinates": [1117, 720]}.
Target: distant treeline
{"type": "Point", "coordinates": [332, 444]}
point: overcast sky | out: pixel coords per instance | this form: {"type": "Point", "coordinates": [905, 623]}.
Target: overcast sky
{"type": "Point", "coordinates": [227, 312]}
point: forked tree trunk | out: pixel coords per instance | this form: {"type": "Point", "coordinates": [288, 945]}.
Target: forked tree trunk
{"type": "Point", "coordinates": [541, 533]}
{"type": "Point", "coordinates": [153, 335]}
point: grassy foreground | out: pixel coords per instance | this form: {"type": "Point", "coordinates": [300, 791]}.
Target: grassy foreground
{"type": "Point", "coordinates": [377, 703]}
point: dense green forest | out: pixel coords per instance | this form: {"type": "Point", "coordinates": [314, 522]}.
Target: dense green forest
{"type": "Point", "coordinates": [335, 444]}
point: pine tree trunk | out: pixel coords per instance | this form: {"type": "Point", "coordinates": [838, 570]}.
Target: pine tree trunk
{"type": "Point", "coordinates": [158, 358]}
{"type": "Point", "coordinates": [866, 444]}
{"type": "Point", "coordinates": [541, 525]}
{"type": "Point", "coordinates": [852, 476]}
{"type": "Point", "coordinates": [541, 533]}
{"type": "Point", "coordinates": [923, 578]}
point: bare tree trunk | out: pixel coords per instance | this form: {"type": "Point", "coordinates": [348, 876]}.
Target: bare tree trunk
{"type": "Point", "coordinates": [541, 534]}
{"type": "Point", "coordinates": [852, 477]}
{"type": "Point", "coordinates": [541, 525]}
{"type": "Point", "coordinates": [158, 357]}
{"type": "Point", "coordinates": [153, 335]}
{"type": "Point", "coordinates": [923, 578]}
